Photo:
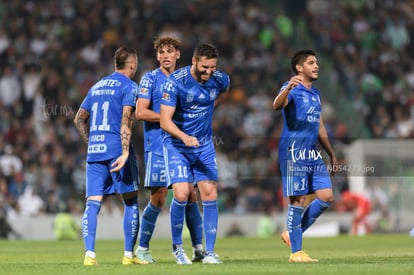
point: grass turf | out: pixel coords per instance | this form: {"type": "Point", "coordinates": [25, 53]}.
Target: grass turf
{"type": "Point", "coordinates": [375, 254]}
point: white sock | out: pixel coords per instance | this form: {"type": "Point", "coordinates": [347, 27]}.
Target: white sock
{"type": "Point", "coordinates": [128, 254]}
{"type": "Point", "coordinates": [90, 254]}
{"type": "Point", "coordinates": [198, 247]}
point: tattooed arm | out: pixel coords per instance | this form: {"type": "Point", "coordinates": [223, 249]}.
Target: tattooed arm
{"type": "Point", "coordinates": [82, 124]}
{"type": "Point", "coordinates": [126, 132]}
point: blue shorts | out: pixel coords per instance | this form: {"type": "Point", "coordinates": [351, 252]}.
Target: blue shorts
{"type": "Point", "coordinates": [155, 175]}
{"type": "Point", "coordinates": [191, 167]}
{"type": "Point", "coordinates": [99, 181]}
{"type": "Point", "coordinates": [302, 178]}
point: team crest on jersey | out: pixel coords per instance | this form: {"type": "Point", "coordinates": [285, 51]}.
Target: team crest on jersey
{"type": "Point", "coordinates": [166, 96]}
{"type": "Point", "coordinates": [154, 177]}
{"type": "Point", "coordinates": [190, 96]}
{"type": "Point", "coordinates": [213, 94]}
{"type": "Point", "coordinates": [172, 173]}
{"type": "Point", "coordinates": [144, 91]}
{"type": "Point", "coordinates": [296, 186]}
{"type": "Point", "coordinates": [305, 98]}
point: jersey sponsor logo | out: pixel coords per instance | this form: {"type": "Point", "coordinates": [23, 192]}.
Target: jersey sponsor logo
{"type": "Point", "coordinates": [313, 115]}
{"type": "Point", "coordinates": [197, 115]}
{"type": "Point", "coordinates": [97, 148]}
{"type": "Point", "coordinates": [310, 110]}
{"type": "Point", "coordinates": [313, 119]}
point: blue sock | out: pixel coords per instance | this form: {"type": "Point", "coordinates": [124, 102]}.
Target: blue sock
{"type": "Point", "coordinates": [194, 223]}
{"type": "Point", "coordinates": [149, 218]}
{"type": "Point", "coordinates": [312, 212]}
{"type": "Point", "coordinates": [177, 213]}
{"type": "Point", "coordinates": [210, 221]}
{"type": "Point", "coordinates": [89, 223]}
{"type": "Point", "coordinates": [131, 223]}
{"type": "Point", "coordinates": [294, 218]}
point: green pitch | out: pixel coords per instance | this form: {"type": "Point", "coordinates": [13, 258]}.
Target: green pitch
{"type": "Point", "coordinates": [376, 254]}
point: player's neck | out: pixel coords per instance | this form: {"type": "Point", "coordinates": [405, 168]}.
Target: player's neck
{"type": "Point", "coordinates": [167, 71]}
{"type": "Point", "coordinates": [307, 83]}
{"type": "Point", "coordinates": [125, 72]}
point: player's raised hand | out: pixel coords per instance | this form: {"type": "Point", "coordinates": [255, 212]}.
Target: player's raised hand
{"type": "Point", "coordinates": [295, 81]}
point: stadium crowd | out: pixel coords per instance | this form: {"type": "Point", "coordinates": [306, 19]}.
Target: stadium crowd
{"type": "Point", "coordinates": [52, 51]}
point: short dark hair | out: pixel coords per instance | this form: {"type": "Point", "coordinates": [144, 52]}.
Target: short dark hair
{"type": "Point", "coordinates": [122, 55]}
{"type": "Point", "coordinates": [205, 50]}
{"type": "Point", "coordinates": [299, 58]}
{"type": "Point", "coordinates": [166, 41]}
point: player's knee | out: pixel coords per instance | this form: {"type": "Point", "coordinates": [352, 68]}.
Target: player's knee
{"type": "Point", "coordinates": [326, 196]}
{"type": "Point", "coordinates": [158, 198]}
{"type": "Point", "coordinates": [181, 196]}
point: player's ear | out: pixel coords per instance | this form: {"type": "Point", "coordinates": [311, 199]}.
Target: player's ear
{"type": "Point", "coordinates": [178, 54]}
{"type": "Point", "coordinates": [299, 68]}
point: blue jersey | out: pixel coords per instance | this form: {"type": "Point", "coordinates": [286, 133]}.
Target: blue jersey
{"type": "Point", "coordinates": [150, 89]}
{"type": "Point", "coordinates": [301, 119]}
{"type": "Point", "coordinates": [194, 103]}
{"type": "Point", "coordinates": [105, 101]}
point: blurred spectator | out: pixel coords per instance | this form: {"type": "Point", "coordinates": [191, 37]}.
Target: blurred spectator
{"type": "Point", "coordinates": [10, 89]}
{"type": "Point", "coordinates": [6, 230]}
{"type": "Point", "coordinates": [17, 185]}
{"type": "Point", "coordinates": [9, 162]}
{"type": "Point", "coordinates": [30, 203]}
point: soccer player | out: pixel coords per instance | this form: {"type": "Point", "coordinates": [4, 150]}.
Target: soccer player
{"type": "Point", "coordinates": [302, 168]}
{"type": "Point", "coordinates": [104, 122]}
{"type": "Point", "coordinates": [148, 109]}
{"type": "Point", "coordinates": [187, 104]}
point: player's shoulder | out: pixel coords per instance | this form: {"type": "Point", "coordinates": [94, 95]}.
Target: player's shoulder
{"type": "Point", "coordinates": [221, 77]}
{"type": "Point", "coordinates": [181, 74]}
{"type": "Point", "coordinates": [150, 75]}
{"type": "Point", "coordinates": [315, 89]}
{"type": "Point", "coordinates": [284, 85]}
{"type": "Point", "coordinates": [220, 74]}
